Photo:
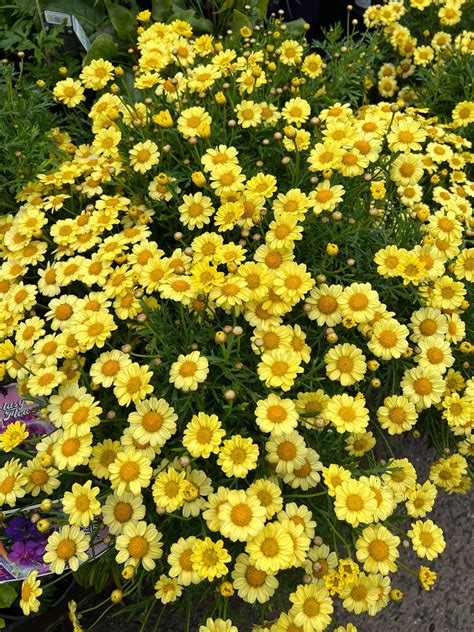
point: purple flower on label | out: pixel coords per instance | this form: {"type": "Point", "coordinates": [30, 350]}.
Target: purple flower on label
{"type": "Point", "coordinates": [18, 528]}
{"type": "Point", "coordinates": [27, 553]}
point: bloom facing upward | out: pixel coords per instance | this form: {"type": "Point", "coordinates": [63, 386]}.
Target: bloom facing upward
{"type": "Point", "coordinates": [189, 371]}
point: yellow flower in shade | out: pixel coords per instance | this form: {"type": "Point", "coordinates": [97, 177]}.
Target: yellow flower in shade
{"type": "Point", "coordinates": [167, 589]}
{"type": "Point", "coordinates": [457, 410]}
{"type": "Point", "coordinates": [398, 414]}
{"type": "Point", "coordinates": [14, 435]}
{"type": "Point", "coordinates": [407, 169]}
{"type": "Point", "coordinates": [179, 560]}
{"type": "Point", "coordinates": [291, 52]}
{"type": "Point", "coordinates": [168, 489]}
{"type": "Point", "coordinates": [237, 456]}
{"type": "Point", "coordinates": [131, 471]}
{"type": "Point", "coordinates": [29, 593]}
{"type": "Point", "coordinates": [312, 607]}
{"type": "Point", "coordinates": [286, 452]}
{"type": "Point", "coordinates": [463, 113]}
{"type": "Point", "coordinates": [132, 384]}
{"type": "Point", "coordinates": [354, 502]}
{"type": "Point", "coordinates": [40, 479]}
{"type": "Point", "coordinates": [333, 476]}
{"type": "Point", "coordinates": [357, 444]}
{"type": "Point", "coordinates": [203, 435]}
{"type": "Point", "coordinates": [346, 364]}
{"type": "Point", "coordinates": [193, 121]}
{"type": "Point", "coordinates": [241, 516]}
{"type": "Point", "coordinates": [7, 348]}
{"type": "Point", "coordinates": [377, 549]}
{"type": "Point", "coordinates": [249, 114]}
{"type": "Point", "coordinates": [252, 584]}
{"type": "Point", "coordinates": [209, 558]}
{"type": "Point", "coordinates": [360, 594]}
{"type": "Point", "coordinates": [70, 450]}
{"type": "Point", "coordinates": [139, 543]}
{"type": "Point", "coordinates": [427, 539]}
{"type": "Point", "coordinates": [420, 500]}
{"type": "Point", "coordinates": [320, 561]}
{"type": "Point", "coordinates": [401, 478]}
{"type": "Point", "coordinates": [97, 74]}
{"type": "Point", "coordinates": [427, 322]}
{"type": "Point", "coordinates": [69, 92]}
{"type": "Point", "coordinates": [218, 625]}
{"type": "Point", "coordinates": [292, 281]}
{"type": "Point", "coordinates": [268, 494]}
{"type": "Point", "coordinates": [427, 577]}
{"type": "Point", "coordinates": [68, 546]}
{"type": "Point", "coordinates": [347, 413]}
{"type": "Point", "coordinates": [323, 301]}
{"type": "Point", "coordinates": [122, 509]}
{"type": "Point", "coordinates": [278, 369]}
{"type": "Point", "coordinates": [271, 550]}
{"type": "Point", "coordinates": [276, 416]}
{"type": "Point", "coordinates": [424, 386]}
{"type": "Point", "coordinates": [81, 504]}
{"type": "Point", "coordinates": [143, 156]}
{"type": "Point", "coordinates": [196, 210]}
{"type": "Point", "coordinates": [189, 371]}
{"type": "Point", "coordinates": [447, 294]}
{"type": "Point", "coordinates": [359, 302]}
{"type": "Point", "coordinates": [153, 422]}
{"type": "Point", "coordinates": [296, 111]}
{"type": "Point", "coordinates": [388, 339]}
{"type": "Point", "coordinates": [435, 353]}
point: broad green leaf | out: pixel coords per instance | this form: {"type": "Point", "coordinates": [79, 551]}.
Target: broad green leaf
{"type": "Point", "coordinates": [162, 10]}
{"type": "Point", "coordinates": [102, 47]}
{"type": "Point", "coordinates": [295, 28]}
{"type": "Point", "coordinates": [239, 20]}
{"type": "Point", "coordinates": [260, 7]}
{"type": "Point", "coordinates": [2, 623]}
{"type": "Point", "coordinates": [7, 595]}
{"type": "Point", "coordinates": [122, 20]}
{"type": "Point", "coordinates": [227, 4]}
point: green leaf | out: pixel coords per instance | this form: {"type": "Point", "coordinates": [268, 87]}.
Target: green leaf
{"type": "Point", "coordinates": [2, 623]}
{"type": "Point", "coordinates": [102, 47]}
{"type": "Point", "coordinates": [295, 28]}
{"type": "Point", "coordinates": [259, 7]}
{"type": "Point", "coordinates": [7, 595]}
{"type": "Point", "coordinates": [122, 21]}
{"type": "Point", "coordinates": [239, 20]}
{"type": "Point", "coordinates": [162, 10]}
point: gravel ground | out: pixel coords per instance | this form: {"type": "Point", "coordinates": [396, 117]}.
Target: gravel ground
{"type": "Point", "coordinates": [448, 607]}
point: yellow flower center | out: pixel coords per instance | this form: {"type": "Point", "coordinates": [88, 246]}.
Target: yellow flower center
{"type": "Point", "coordinates": [388, 339]}
{"type": "Point", "coordinates": [129, 471]}
{"type": "Point", "coordinates": [82, 503]}
{"type": "Point", "coordinates": [345, 365]}
{"type": "Point", "coordinates": [422, 386]}
{"type": "Point", "coordinates": [152, 421]}
{"type": "Point", "coordinates": [241, 515]}
{"type": "Point", "coordinates": [254, 577]}
{"type": "Point", "coordinates": [276, 414]}
{"type": "Point", "coordinates": [428, 327]}
{"type": "Point", "coordinates": [270, 547]}
{"type": "Point", "coordinates": [66, 549]}
{"type": "Point", "coordinates": [138, 546]}
{"type": "Point", "coordinates": [185, 560]}
{"type": "Point", "coordinates": [110, 368]}
{"type": "Point", "coordinates": [354, 502]}
{"type": "Point", "coordinates": [279, 368]}
{"type": "Point", "coordinates": [358, 302]}
{"type": "Point", "coordinates": [311, 607]}
{"type": "Point", "coordinates": [188, 368]}
{"type": "Point", "coordinates": [71, 446]}
{"type": "Point", "coordinates": [378, 550]}
{"type": "Point", "coordinates": [327, 304]}
{"type": "Point", "coordinates": [286, 451]}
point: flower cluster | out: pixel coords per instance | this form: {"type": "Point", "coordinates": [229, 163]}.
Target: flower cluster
{"type": "Point", "coordinates": [221, 302]}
